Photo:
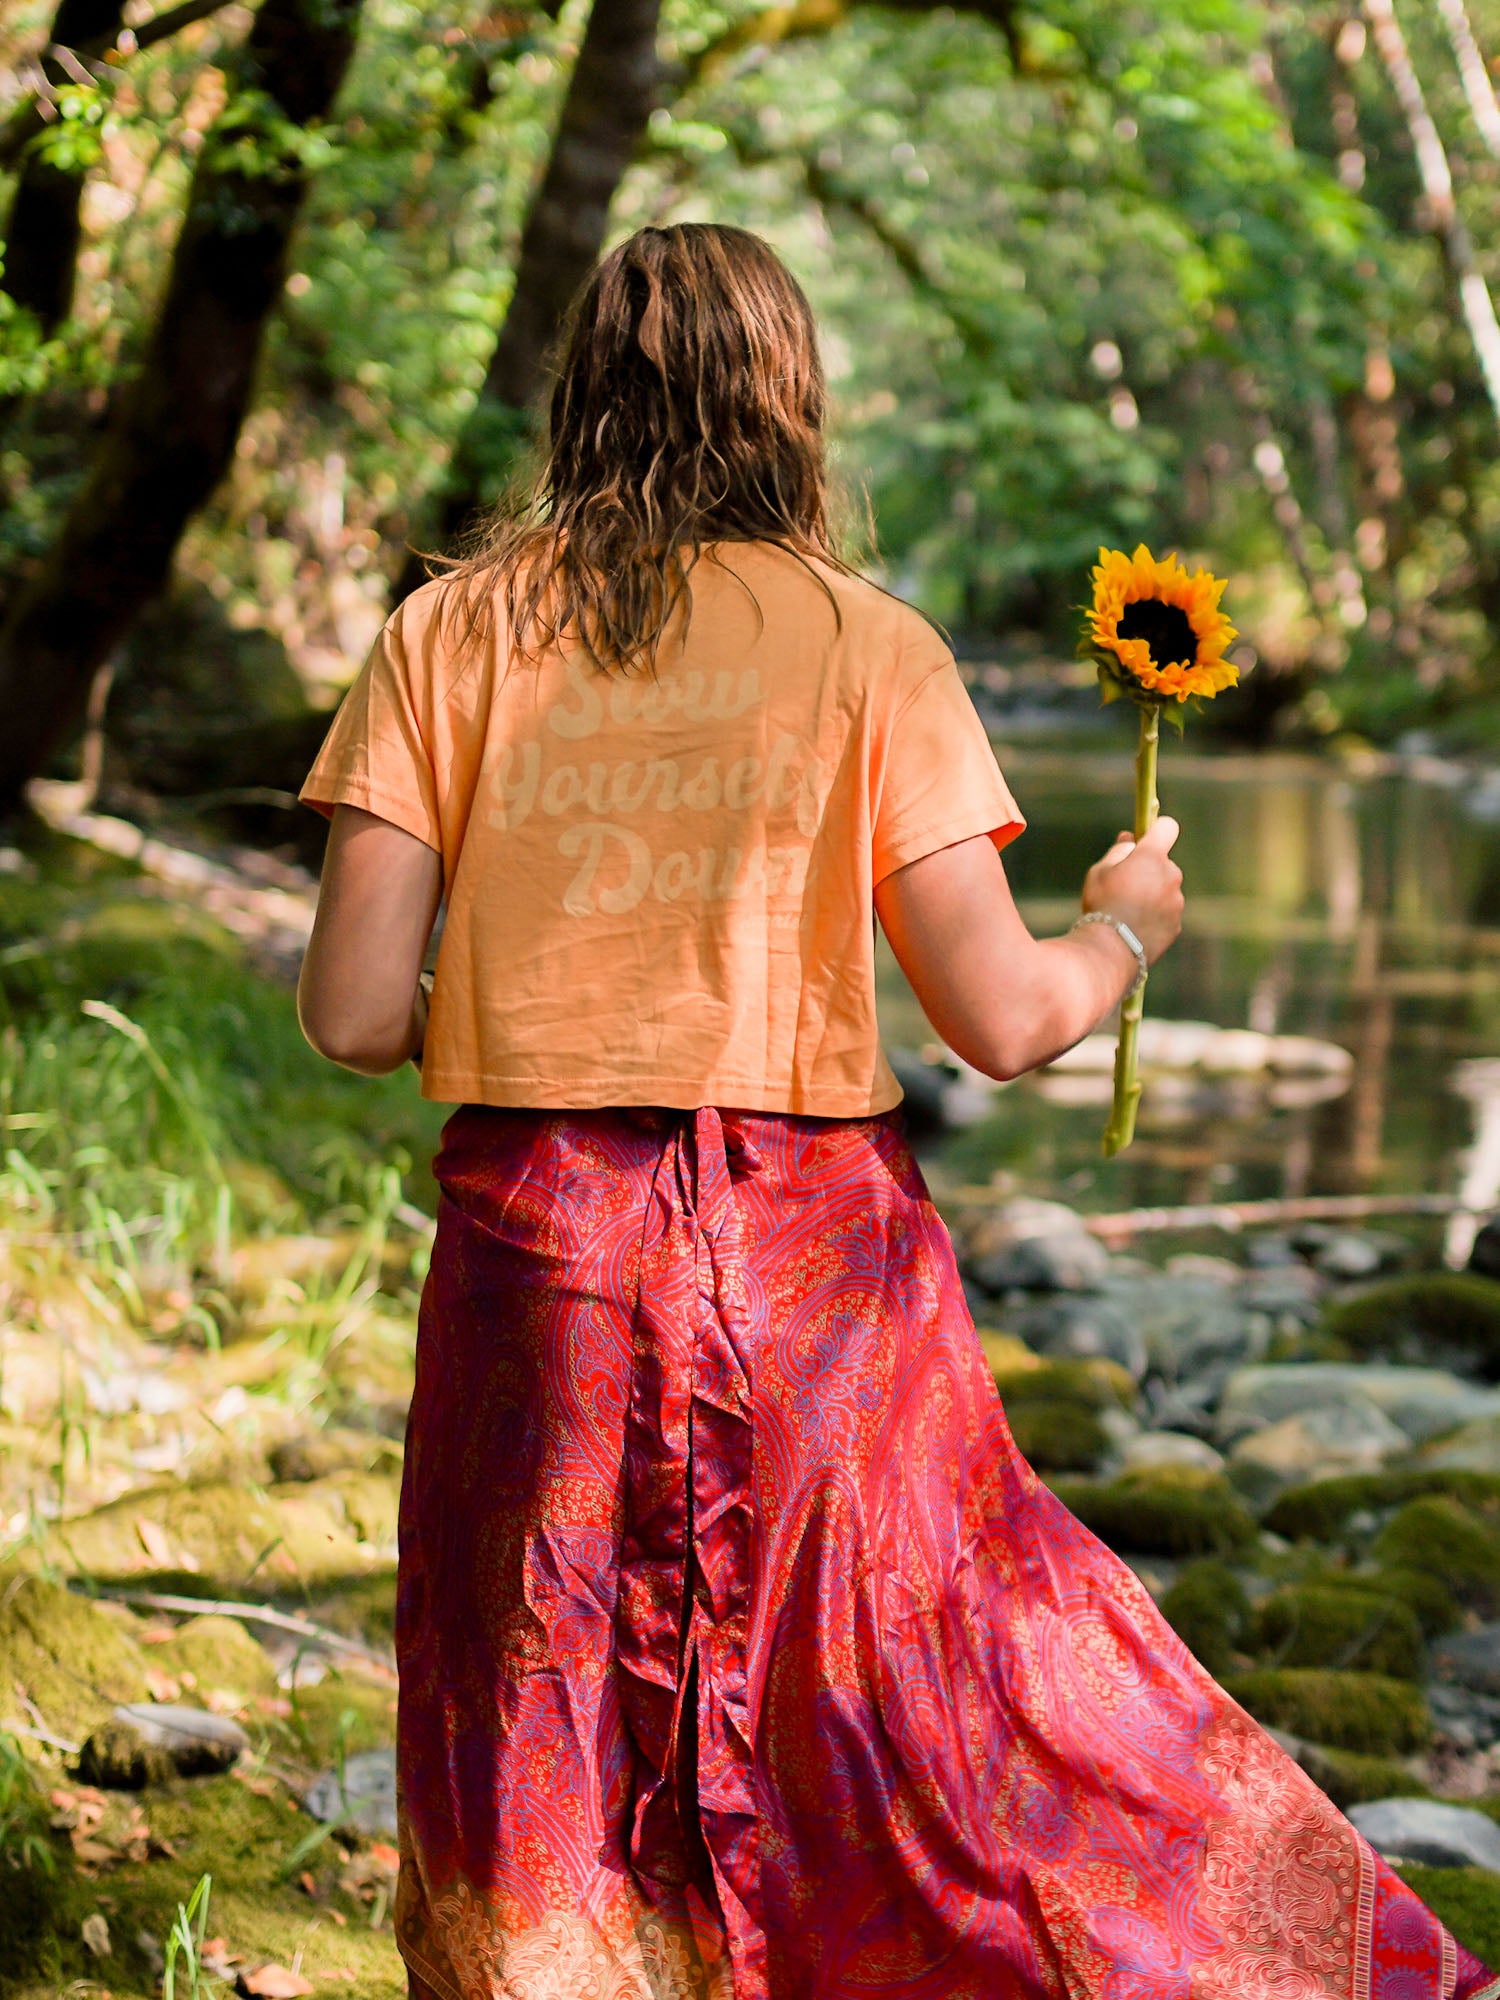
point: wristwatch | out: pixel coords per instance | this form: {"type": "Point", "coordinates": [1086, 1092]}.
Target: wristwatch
{"type": "Point", "coordinates": [1119, 924]}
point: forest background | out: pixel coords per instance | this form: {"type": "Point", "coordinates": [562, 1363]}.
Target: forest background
{"type": "Point", "coordinates": [277, 289]}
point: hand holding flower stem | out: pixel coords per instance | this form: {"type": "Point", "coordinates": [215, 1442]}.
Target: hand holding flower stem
{"type": "Point", "coordinates": [1158, 636]}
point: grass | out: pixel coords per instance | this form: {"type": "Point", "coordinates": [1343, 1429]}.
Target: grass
{"type": "Point", "coordinates": [156, 1095]}
{"type": "Point", "coordinates": [189, 1197]}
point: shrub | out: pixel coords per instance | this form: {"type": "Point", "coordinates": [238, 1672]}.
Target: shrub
{"type": "Point", "coordinates": [1351, 1711]}
{"type": "Point", "coordinates": [1208, 1610]}
{"type": "Point", "coordinates": [1441, 1536]}
{"type": "Point", "coordinates": [1341, 1627]}
{"type": "Point", "coordinates": [1447, 1320]}
{"type": "Point", "coordinates": [1168, 1511]}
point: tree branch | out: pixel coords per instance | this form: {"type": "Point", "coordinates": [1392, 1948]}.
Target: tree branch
{"type": "Point", "coordinates": [29, 117]}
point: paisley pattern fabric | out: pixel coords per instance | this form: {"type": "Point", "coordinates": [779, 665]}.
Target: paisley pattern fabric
{"type": "Point", "coordinates": [744, 1658]}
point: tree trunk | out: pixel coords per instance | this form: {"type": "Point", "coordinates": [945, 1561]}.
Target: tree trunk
{"type": "Point", "coordinates": [42, 230]}
{"type": "Point", "coordinates": [1473, 72]}
{"type": "Point", "coordinates": [1474, 299]}
{"type": "Point", "coordinates": [610, 97]}
{"type": "Point", "coordinates": [172, 434]}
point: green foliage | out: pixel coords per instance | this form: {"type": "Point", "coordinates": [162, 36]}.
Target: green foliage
{"type": "Point", "coordinates": [1208, 1610]}
{"type": "Point", "coordinates": [1370, 1713]}
{"type": "Point", "coordinates": [1311, 1627]}
{"type": "Point", "coordinates": [1071, 300]}
{"type": "Point", "coordinates": [1447, 1319]}
{"type": "Point", "coordinates": [24, 1846]}
{"type": "Point", "coordinates": [185, 1939]}
{"type": "Point", "coordinates": [73, 141]}
{"type": "Point", "coordinates": [1169, 1512]}
{"type": "Point", "coordinates": [35, 1875]}
{"type": "Point", "coordinates": [255, 140]}
{"type": "Point", "coordinates": [158, 1092]}
{"type": "Point", "coordinates": [1458, 1547]}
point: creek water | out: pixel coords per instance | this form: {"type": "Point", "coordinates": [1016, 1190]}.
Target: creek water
{"type": "Point", "coordinates": [1359, 905]}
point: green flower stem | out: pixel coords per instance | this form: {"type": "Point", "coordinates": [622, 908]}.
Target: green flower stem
{"type": "Point", "coordinates": [1120, 1130]}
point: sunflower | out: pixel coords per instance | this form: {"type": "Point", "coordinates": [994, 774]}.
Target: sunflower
{"type": "Point", "coordinates": [1162, 627]}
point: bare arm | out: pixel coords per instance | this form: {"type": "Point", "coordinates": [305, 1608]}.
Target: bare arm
{"type": "Point", "coordinates": [1000, 998]}
{"type": "Point", "coordinates": [358, 998]}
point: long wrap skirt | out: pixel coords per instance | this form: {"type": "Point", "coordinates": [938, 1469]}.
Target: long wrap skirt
{"type": "Point", "coordinates": [744, 1658]}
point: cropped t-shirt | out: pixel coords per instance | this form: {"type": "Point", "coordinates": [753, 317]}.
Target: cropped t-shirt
{"type": "Point", "coordinates": [659, 890]}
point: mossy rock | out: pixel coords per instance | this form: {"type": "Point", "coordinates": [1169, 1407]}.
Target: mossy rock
{"type": "Point", "coordinates": [214, 1826]}
{"type": "Point", "coordinates": [225, 1534]}
{"type": "Point", "coordinates": [1444, 1320]}
{"type": "Point", "coordinates": [73, 1657]}
{"type": "Point", "coordinates": [362, 1606]}
{"type": "Point", "coordinates": [1094, 1384]}
{"type": "Point", "coordinates": [348, 1710]}
{"type": "Point", "coordinates": [1467, 1900]}
{"type": "Point", "coordinates": [1006, 1353]}
{"type": "Point", "coordinates": [1316, 1512]}
{"type": "Point", "coordinates": [1349, 1779]}
{"type": "Point", "coordinates": [1435, 1607]}
{"type": "Point", "coordinates": [1208, 1610]}
{"type": "Point", "coordinates": [221, 1656]}
{"type": "Point", "coordinates": [1342, 1627]}
{"type": "Point", "coordinates": [117, 1756]}
{"type": "Point", "coordinates": [1448, 1541]}
{"type": "Point", "coordinates": [1168, 1511]}
{"type": "Point", "coordinates": [1055, 1436]}
{"type": "Point", "coordinates": [1350, 1711]}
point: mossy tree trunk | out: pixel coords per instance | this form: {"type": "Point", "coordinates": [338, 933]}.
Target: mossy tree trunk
{"type": "Point", "coordinates": [173, 430]}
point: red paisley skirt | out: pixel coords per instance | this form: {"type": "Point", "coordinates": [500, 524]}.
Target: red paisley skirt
{"type": "Point", "coordinates": [744, 1658]}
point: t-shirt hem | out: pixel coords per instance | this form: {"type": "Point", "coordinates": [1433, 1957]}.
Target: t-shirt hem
{"type": "Point", "coordinates": [323, 795]}
{"type": "Point", "coordinates": [921, 841]}
{"type": "Point", "coordinates": [597, 1093]}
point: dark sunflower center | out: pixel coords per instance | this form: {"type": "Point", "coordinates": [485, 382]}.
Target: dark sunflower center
{"type": "Point", "coordinates": [1166, 629]}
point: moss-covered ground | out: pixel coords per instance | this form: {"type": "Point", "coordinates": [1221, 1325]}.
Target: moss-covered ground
{"type": "Point", "coordinates": [211, 1245]}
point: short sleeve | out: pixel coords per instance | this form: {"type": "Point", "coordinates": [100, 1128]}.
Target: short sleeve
{"type": "Point", "coordinates": [377, 754]}
{"type": "Point", "coordinates": [939, 782]}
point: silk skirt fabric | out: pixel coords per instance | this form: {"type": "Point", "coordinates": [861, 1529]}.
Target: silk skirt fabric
{"type": "Point", "coordinates": [744, 1658]}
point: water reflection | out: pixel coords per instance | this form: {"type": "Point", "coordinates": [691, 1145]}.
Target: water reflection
{"type": "Point", "coordinates": [1364, 911]}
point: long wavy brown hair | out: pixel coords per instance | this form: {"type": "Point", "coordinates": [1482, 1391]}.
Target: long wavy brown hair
{"type": "Point", "coordinates": [687, 411]}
